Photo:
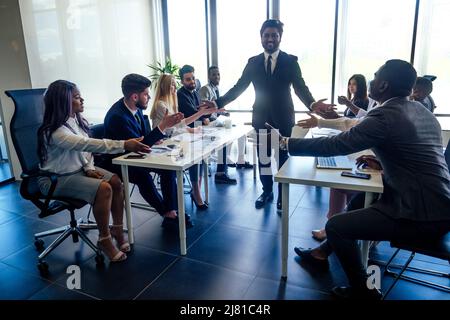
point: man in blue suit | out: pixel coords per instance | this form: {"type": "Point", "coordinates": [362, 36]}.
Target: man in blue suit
{"type": "Point", "coordinates": [272, 74]}
{"type": "Point", "coordinates": [125, 120]}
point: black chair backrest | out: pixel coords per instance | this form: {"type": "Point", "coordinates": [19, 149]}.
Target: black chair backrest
{"type": "Point", "coordinates": [26, 120]}
{"type": "Point", "coordinates": [97, 131]}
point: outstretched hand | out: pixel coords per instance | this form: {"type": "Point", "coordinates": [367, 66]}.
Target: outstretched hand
{"type": "Point", "coordinates": [135, 145]}
{"type": "Point", "coordinates": [312, 122]}
{"type": "Point", "coordinates": [325, 110]}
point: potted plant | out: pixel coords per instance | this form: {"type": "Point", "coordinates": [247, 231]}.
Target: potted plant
{"type": "Point", "coordinates": [167, 68]}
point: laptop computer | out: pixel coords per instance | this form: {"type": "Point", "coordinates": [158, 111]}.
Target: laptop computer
{"type": "Point", "coordinates": [337, 162]}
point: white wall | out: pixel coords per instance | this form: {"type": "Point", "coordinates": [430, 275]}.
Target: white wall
{"type": "Point", "coordinates": [14, 72]}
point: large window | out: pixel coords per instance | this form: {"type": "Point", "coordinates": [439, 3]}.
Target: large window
{"type": "Point", "coordinates": [187, 35]}
{"type": "Point", "coordinates": [308, 34]}
{"type": "Point", "coordinates": [238, 25]}
{"type": "Point", "coordinates": [93, 43]}
{"type": "Point", "coordinates": [433, 49]}
{"type": "Point", "coordinates": [371, 32]}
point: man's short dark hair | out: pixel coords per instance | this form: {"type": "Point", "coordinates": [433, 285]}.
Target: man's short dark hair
{"type": "Point", "coordinates": [134, 83]}
{"type": "Point", "coordinates": [185, 69]}
{"type": "Point", "coordinates": [212, 68]}
{"type": "Point", "coordinates": [272, 23]}
{"type": "Point", "coordinates": [400, 75]}
{"type": "Point", "coordinates": [425, 83]}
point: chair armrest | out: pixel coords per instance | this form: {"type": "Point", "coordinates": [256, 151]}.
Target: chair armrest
{"type": "Point", "coordinates": [53, 178]}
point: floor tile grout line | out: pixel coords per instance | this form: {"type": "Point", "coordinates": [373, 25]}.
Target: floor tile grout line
{"type": "Point", "coordinates": [156, 279]}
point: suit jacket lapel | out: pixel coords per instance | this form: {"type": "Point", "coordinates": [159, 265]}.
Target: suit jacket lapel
{"type": "Point", "coordinates": [280, 61]}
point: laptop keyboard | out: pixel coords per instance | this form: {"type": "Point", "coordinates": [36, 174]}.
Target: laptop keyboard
{"type": "Point", "coordinates": [326, 161]}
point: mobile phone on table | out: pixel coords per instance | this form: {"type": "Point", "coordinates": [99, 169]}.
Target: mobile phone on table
{"type": "Point", "coordinates": [135, 156]}
{"type": "Point", "coordinates": [358, 175]}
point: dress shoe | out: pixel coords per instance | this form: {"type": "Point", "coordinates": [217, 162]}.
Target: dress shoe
{"type": "Point", "coordinates": [319, 235]}
{"type": "Point", "coordinates": [263, 199]}
{"type": "Point", "coordinates": [170, 223]}
{"type": "Point", "coordinates": [202, 206]}
{"type": "Point", "coordinates": [245, 165]}
{"type": "Point", "coordinates": [224, 178]}
{"type": "Point", "coordinates": [306, 255]}
{"type": "Point", "coordinates": [232, 165]}
{"type": "Point", "coordinates": [279, 206]}
{"type": "Point", "coordinates": [357, 294]}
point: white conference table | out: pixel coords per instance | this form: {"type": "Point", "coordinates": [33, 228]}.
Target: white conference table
{"type": "Point", "coordinates": [302, 170]}
{"type": "Point", "coordinates": [195, 149]}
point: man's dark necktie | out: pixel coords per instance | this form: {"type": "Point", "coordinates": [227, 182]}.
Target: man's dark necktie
{"type": "Point", "coordinates": [269, 66]}
{"type": "Point", "coordinates": [138, 119]}
{"type": "Point", "coordinates": [217, 93]}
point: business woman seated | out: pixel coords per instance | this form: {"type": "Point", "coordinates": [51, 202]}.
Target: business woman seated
{"type": "Point", "coordinates": [65, 148]}
{"type": "Point", "coordinates": [166, 101]}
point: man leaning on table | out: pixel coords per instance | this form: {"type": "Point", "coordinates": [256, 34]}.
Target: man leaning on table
{"type": "Point", "coordinates": [406, 138]}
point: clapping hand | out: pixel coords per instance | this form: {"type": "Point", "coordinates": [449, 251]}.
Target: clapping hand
{"type": "Point", "coordinates": [170, 120]}
{"type": "Point", "coordinates": [312, 122]}
{"type": "Point", "coordinates": [135, 145]}
{"type": "Point", "coordinates": [344, 100]}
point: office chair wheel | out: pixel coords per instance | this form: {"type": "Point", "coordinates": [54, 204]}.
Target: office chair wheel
{"type": "Point", "coordinates": [43, 267]}
{"type": "Point", "coordinates": [39, 244]}
{"type": "Point", "coordinates": [100, 259]}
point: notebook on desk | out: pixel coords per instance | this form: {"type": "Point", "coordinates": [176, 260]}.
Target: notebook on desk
{"type": "Point", "coordinates": [337, 162]}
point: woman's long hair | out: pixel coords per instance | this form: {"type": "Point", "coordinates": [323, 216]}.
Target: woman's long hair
{"type": "Point", "coordinates": [58, 108]}
{"type": "Point", "coordinates": [163, 93]}
{"type": "Point", "coordinates": [361, 88]}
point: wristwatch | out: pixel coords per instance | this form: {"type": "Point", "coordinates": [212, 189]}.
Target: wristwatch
{"type": "Point", "coordinates": [284, 144]}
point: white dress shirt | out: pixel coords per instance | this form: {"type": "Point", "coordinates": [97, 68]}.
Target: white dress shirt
{"type": "Point", "coordinates": [70, 149]}
{"type": "Point", "coordinates": [274, 59]}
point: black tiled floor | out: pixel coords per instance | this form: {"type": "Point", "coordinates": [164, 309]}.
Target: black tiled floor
{"type": "Point", "coordinates": [197, 280]}
{"type": "Point", "coordinates": [18, 285]}
{"type": "Point", "coordinates": [233, 252]}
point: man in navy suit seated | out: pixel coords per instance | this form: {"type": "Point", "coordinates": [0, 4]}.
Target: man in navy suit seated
{"type": "Point", "coordinates": [125, 120]}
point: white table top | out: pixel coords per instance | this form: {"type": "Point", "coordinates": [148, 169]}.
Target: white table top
{"type": "Point", "coordinates": [195, 147]}
{"type": "Point", "coordinates": [302, 170]}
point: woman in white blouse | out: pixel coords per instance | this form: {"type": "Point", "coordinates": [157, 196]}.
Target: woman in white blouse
{"type": "Point", "coordinates": [65, 148]}
{"type": "Point", "coordinates": [166, 102]}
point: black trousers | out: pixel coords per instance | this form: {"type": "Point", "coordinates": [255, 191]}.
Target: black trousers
{"type": "Point", "coordinates": [344, 231]}
{"type": "Point", "coordinates": [264, 160]}
{"type": "Point", "coordinates": [142, 178]}
{"type": "Point", "coordinates": [222, 162]}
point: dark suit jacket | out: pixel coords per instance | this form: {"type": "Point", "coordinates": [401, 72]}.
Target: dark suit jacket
{"type": "Point", "coordinates": [188, 103]}
{"type": "Point", "coordinates": [406, 138]}
{"type": "Point", "coordinates": [120, 124]}
{"type": "Point", "coordinates": [273, 100]}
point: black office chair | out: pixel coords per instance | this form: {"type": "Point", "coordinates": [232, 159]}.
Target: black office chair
{"type": "Point", "coordinates": [437, 248]}
{"type": "Point", "coordinates": [27, 117]}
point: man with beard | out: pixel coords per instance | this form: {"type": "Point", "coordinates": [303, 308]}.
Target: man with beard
{"type": "Point", "coordinates": [272, 73]}
{"type": "Point", "coordinates": [406, 139]}
{"type": "Point", "coordinates": [125, 120]}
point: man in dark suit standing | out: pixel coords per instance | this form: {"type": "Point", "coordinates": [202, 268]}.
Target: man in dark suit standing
{"type": "Point", "coordinates": [406, 139]}
{"type": "Point", "coordinates": [125, 120]}
{"type": "Point", "coordinates": [272, 74]}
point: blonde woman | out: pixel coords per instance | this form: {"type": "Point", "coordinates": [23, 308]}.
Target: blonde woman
{"type": "Point", "coordinates": [166, 101]}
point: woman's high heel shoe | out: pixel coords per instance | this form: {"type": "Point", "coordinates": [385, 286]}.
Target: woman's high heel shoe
{"type": "Point", "coordinates": [203, 206]}
{"type": "Point", "coordinates": [123, 245]}
{"type": "Point", "coordinates": [113, 257]}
